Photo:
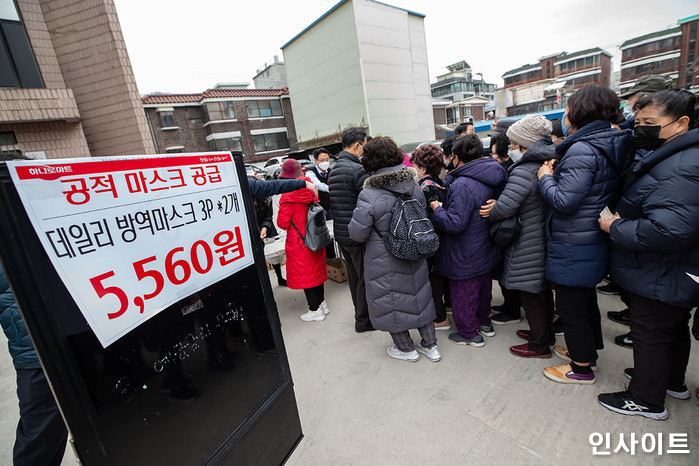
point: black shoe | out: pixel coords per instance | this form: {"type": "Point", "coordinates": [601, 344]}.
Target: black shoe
{"type": "Point", "coordinates": [504, 319]}
{"type": "Point", "coordinates": [620, 317]}
{"type": "Point", "coordinates": [370, 328]}
{"type": "Point", "coordinates": [609, 288]}
{"type": "Point", "coordinates": [281, 282]}
{"type": "Point", "coordinates": [497, 309]}
{"type": "Point", "coordinates": [624, 341]}
{"type": "Point", "coordinates": [625, 403]}
{"type": "Point", "coordinates": [680, 393]}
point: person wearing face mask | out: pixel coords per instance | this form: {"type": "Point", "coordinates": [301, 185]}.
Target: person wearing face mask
{"type": "Point", "coordinates": [584, 182]}
{"type": "Point", "coordinates": [654, 238]}
{"type": "Point", "coordinates": [467, 254]}
{"type": "Point", "coordinates": [429, 162]}
{"type": "Point", "coordinates": [644, 86]}
{"type": "Point", "coordinates": [345, 182]}
{"type": "Point", "coordinates": [525, 258]}
{"type": "Point", "coordinates": [446, 147]}
{"type": "Point", "coordinates": [318, 175]}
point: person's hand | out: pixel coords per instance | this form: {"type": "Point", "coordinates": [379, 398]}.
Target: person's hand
{"type": "Point", "coordinates": [546, 169]}
{"type": "Point", "coordinates": [435, 204]}
{"type": "Point", "coordinates": [605, 224]}
{"type": "Point", "coordinates": [486, 208]}
{"type": "Point", "coordinates": [263, 233]}
{"type": "Point", "coordinates": [312, 187]}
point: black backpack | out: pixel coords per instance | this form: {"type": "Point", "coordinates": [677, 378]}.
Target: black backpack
{"type": "Point", "coordinates": [411, 235]}
{"type": "Point", "coordinates": [317, 233]}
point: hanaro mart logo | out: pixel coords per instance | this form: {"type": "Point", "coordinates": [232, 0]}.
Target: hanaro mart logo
{"type": "Point", "coordinates": [654, 443]}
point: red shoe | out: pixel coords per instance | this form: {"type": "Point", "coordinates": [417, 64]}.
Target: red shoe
{"type": "Point", "coordinates": [523, 351]}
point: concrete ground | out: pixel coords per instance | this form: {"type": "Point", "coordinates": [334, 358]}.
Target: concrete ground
{"type": "Point", "coordinates": [360, 407]}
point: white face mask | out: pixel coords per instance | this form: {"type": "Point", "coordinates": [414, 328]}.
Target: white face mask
{"type": "Point", "coordinates": [324, 166]}
{"type": "Point", "coordinates": [514, 154]}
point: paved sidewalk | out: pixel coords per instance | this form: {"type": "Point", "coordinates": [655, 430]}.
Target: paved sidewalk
{"type": "Point", "coordinates": [360, 407]}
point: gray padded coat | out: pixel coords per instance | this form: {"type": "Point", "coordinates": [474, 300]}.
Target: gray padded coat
{"type": "Point", "coordinates": [398, 291]}
{"type": "Point", "coordinates": [525, 259]}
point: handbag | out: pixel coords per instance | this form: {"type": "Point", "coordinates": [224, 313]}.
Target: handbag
{"type": "Point", "coordinates": [505, 232]}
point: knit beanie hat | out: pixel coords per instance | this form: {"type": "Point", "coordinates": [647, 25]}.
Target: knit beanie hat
{"type": "Point", "coordinates": [529, 129]}
{"type": "Point", "coordinates": [291, 169]}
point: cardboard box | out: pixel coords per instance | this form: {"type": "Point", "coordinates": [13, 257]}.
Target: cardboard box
{"type": "Point", "coordinates": [336, 270]}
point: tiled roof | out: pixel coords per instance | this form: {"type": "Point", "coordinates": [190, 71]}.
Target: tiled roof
{"type": "Point", "coordinates": [522, 68]}
{"type": "Point", "coordinates": [171, 98]}
{"type": "Point", "coordinates": [210, 94]}
{"type": "Point", "coordinates": [651, 36]}
{"type": "Point", "coordinates": [567, 56]}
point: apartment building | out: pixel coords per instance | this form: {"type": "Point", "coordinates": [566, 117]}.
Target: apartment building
{"type": "Point", "coordinates": [257, 122]}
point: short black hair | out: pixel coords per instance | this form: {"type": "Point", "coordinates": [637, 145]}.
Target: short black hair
{"type": "Point", "coordinates": [502, 144]}
{"type": "Point", "coordinates": [381, 152]}
{"type": "Point", "coordinates": [674, 103]}
{"type": "Point", "coordinates": [468, 147]}
{"type": "Point", "coordinates": [352, 135]}
{"type": "Point", "coordinates": [592, 103]}
{"type": "Point", "coordinates": [462, 128]}
{"type": "Point", "coordinates": [318, 151]}
{"type": "Point", "coordinates": [556, 128]}
{"type": "Point", "coordinates": [448, 144]}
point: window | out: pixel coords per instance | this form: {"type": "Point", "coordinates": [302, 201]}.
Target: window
{"type": "Point", "coordinates": [8, 142]}
{"type": "Point", "coordinates": [269, 142]}
{"type": "Point", "coordinates": [264, 108]}
{"type": "Point", "coordinates": [167, 119]}
{"type": "Point", "coordinates": [18, 66]}
{"type": "Point", "coordinates": [231, 144]}
{"type": "Point", "coordinates": [174, 150]}
{"type": "Point", "coordinates": [220, 111]}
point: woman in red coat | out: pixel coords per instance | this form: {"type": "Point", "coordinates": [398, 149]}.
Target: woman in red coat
{"type": "Point", "coordinates": [305, 269]}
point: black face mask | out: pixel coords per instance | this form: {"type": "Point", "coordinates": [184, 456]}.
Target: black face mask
{"type": "Point", "coordinates": [648, 137]}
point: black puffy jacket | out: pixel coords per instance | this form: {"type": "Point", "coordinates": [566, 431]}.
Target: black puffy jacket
{"type": "Point", "coordinates": [656, 241]}
{"type": "Point", "coordinates": [525, 258]}
{"type": "Point", "coordinates": [345, 182]}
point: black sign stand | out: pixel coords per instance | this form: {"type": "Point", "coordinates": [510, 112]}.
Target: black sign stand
{"type": "Point", "coordinates": [206, 381]}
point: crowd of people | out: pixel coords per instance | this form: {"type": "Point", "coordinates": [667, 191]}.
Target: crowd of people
{"type": "Point", "coordinates": [608, 192]}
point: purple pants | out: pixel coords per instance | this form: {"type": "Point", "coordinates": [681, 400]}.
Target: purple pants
{"type": "Point", "coordinates": [470, 303]}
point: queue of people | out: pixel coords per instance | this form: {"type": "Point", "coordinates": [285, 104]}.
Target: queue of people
{"type": "Point", "coordinates": [589, 200]}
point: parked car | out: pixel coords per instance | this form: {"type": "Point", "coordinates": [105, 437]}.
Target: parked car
{"type": "Point", "coordinates": [253, 171]}
{"type": "Point", "coordinates": [273, 165]}
{"type": "Point", "coordinates": [410, 147]}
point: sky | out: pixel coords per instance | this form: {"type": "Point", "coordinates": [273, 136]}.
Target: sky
{"type": "Point", "coordinates": [188, 47]}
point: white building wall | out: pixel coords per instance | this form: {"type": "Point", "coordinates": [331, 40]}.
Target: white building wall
{"type": "Point", "coordinates": [363, 62]}
{"type": "Point", "coordinates": [393, 55]}
{"type": "Point", "coordinates": [324, 75]}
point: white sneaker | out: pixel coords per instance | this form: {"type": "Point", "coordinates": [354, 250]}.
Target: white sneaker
{"type": "Point", "coordinates": [432, 353]}
{"type": "Point", "coordinates": [313, 316]}
{"type": "Point", "coordinates": [411, 356]}
{"type": "Point", "coordinates": [324, 307]}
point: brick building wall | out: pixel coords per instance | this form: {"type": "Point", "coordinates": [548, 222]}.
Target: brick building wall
{"type": "Point", "coordinates": [89, 103]}
{"type": "Point", "coordinates": [191, 132]}
{"type": "Point", "coordinates": [92, 56]}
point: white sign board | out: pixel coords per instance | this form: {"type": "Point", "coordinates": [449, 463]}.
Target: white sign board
{"type": "Point", "coordinates": [130, 236]}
